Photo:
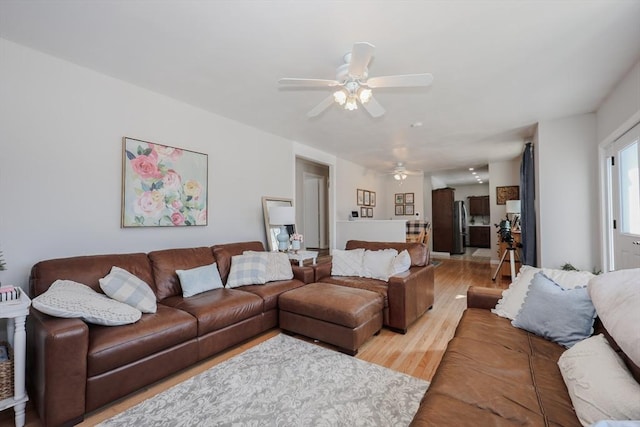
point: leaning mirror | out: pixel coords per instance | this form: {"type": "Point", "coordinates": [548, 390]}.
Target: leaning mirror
{"type": "Point", "coordinates": [272, 229]}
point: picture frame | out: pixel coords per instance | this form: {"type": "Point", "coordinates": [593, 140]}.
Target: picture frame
{"type": "Point", "coordinates": [369, 212]}
{"type": "Point", "coordinates": [373, 198]}
{"type": "Point", "coordinates": [409, 209]}
{"type": "Point", "coordinates": [399, 209]}
{"type": "Point", "coordinates": [367, 197]}
{"type": "Point", "coordinates": [359, 197]}
{"type": "Point", "coordinates": [163, 186]}
{"type": "Point", "coordinates": [509, 192]}
{"type": "Point", "coordinates": [408, 198]}
{"type": "Point", "coordinates": [399, 199]}
{"type": "Point", "coordinates": [363, 212]}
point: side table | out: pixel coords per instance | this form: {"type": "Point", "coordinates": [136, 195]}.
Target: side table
{"type": "Point", "coordinates": [16, 314]}
{"type": "Point", "coordinates": [300, 256]}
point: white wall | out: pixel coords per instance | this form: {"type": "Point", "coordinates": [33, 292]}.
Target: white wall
{"type": "Point", "coordinates": [61, 128]}
{"type": "Point", "coordinates": [501, 174]}
{"type": "Point", "coordinates": [349, 178]}
{"type": "Point", "coordinates": [567, 191]}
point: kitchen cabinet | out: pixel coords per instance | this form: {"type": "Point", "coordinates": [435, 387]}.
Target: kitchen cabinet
{"type": "Point", "coordinates": [480, 236]}
{"type": "Point", "coordinates": [442, 218]}
{"type": "Point", "coordinates": [479, 206]}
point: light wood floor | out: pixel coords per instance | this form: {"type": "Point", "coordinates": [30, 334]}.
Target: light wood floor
{"type": "Point", "coordinates": [416, 353]}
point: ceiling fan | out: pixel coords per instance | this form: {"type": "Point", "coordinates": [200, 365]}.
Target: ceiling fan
{"type": "Point", "coordinates": [400, 172]}
{"type": "Point", "coordinates": [354, 85]}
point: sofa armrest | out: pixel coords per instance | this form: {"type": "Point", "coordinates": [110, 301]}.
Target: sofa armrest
{"type": "Point", "coordinates": [304, 274]}
{"type": "Point", "coordinates": [321, 270]}
{"type": "Point", "coordinates": [57, 367]}
{"type": "Point", "coordinates": [410, 294]}
{"type": "Point", "coordinates": [481, 297]}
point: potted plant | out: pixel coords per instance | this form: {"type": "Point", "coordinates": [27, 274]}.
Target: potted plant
{"type": "Point", "coordinates": [296, 241]}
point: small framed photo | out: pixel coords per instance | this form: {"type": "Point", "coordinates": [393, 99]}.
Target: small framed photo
{"type": "Point", "coordinates": [367, 198]}
{"type": "Point", "coordinates": [370, 212]}
{"type": "Point", "coordinates": [372, 199]}
{"type": "Point", "coordinates": [408, 198]}
{"type": "Point", "coordinates": [399, 199]}
{"type": "Point", "coordinates": [399, 209]}
{"type": "Point", "coordinates": [363, 212]}
{"type": "Point", "coordinates": [408, 210]}
{"type": "Point", "coordinates": [360, 197]}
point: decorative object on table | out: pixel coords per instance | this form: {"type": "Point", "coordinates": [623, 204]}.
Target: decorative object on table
{"type": "Point", "coordinates": [408, 198]}
{"type": "Point", "coordinates": [399, 209]}
{"type": "Point", "coordinates": [360, 197]}
{"type": "Point", "coordinates": [510, 192]}
{"type": "Point", "coordinates": [6, 370]}
{"type": "Point", "coordinates": [271, 229]}
{"type": "Point", "coordinates": [313, 389]}
{"type": "Point", "coordinates": [399, 199]}
{"type": "Point", "coordinates": [9, 293]}
{"type": "Point", "coordinates": [513, 209]}
{"type": "Point", "coordinates": [296, 241]}
{"type": "Point", "coordinates": [282, 216]}
{"type": "Point", "coordinates": [162, 186]}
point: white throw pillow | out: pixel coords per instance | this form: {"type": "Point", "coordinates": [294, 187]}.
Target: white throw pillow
{"type": "Point", "coordinates": [513, 297]}
{"type": "Point", "coordinates": [200, 279]}
{"type": "Point", "coordinates": [69, 299]}
{"type": "Point", "coordinates": [250, 269]}
{"type": "Point", "coordinates": [401, 263]}
{"type": "Point", "coordinates": [347, 263]}
{"type": "Point", "coordinates": [616, 297]}
{"type": "Point", "coordinates": [278, 265]}
{"type": "Point", "coordinates": [600, 385]}
{"type": "Point", "coordinates": [378, 264]}
{"type": "Point", "coordinates": [125, 287]}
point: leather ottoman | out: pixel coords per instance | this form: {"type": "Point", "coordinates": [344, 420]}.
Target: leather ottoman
{"type": "Point", "coordinates": [338, 315]}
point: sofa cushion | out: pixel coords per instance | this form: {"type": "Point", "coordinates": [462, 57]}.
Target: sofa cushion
{"type": "Point", "coordinates": [347, 263]}
{"type": "Point", "coordinates": [278, 265]}
{"type": "Point", "coordinates": [224, 252]}
{"type": "Point", "coordinates": [123, 286]}
{"type": "Point", "coordinates": [561, 315]}
{"type": "Point", "coordinates": [419, 252]}
{"type": "Point", "coordinates": [513, 297]}
{"type": "Point", "coordinates": [69, 299]}
{"type": "Point", "coordinates": [218, 308]}
{"type": "Point", "coordinates": [378, 264]}
{"type": "Point", "coordinates": [165, 263]}
{"type": "Point", "coordinates": [401, 263]}
{"type": "Point", "coordinates": [270, 291]}
{"type": "Point", "coordinates": [112, 348]}
{"type": "Point", "coordinates": [600, 385]}
{"type": "Point", "coordinates": [250, 269]}
{"type": "Point", "coordinates": [199, 279]}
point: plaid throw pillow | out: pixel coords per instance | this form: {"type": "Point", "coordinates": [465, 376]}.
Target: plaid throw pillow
{"type": "Point", "coordinates": [250, 269]}
{"type": "Point", "coordinates": [123, 286]}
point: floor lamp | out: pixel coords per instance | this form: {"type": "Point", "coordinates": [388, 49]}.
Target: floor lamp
{"type": "Point", "coordinates": [282, 216]}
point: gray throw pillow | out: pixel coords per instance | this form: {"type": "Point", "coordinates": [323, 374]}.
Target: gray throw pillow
{"type": "Point", "coordinates": [564, 316]}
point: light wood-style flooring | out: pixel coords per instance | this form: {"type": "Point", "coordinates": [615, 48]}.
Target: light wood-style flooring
{"type": "Point", "coordinates": [416, 353]}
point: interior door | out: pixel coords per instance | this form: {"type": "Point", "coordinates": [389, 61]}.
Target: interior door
{"type": "Point", "coordinates": [314, 209]}
{"type": "Point", "coordinates": [623, 174]}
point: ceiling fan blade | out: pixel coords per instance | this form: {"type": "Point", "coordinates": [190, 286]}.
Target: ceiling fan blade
{"type": "Point", "coordinates": [405, 80]}
{"type": "Point", "coordinates": [309, 82]}
{"type": "Point", "coordinates": [374, 108]}
{"type": "Point", "coordinates": [360, 57]}
{"type": "Point", "coordinates": [321, 107]}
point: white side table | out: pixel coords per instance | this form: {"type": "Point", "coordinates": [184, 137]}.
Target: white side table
{"type": "Point", "coordinates": [300, 256]}
{"type": "Point", "coordinates": [16, 312]}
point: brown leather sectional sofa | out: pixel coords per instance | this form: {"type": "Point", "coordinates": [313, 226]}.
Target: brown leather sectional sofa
{"type": "Point", "coordinates": [493, 374]}
{"type": "Point", "coordinates": [407, 296]}
{"type": "Point", "coordinates": [75, 367]}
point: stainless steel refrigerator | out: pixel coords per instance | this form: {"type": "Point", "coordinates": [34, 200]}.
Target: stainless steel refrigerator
{"type": "Point", "coordinates": [459, 226]}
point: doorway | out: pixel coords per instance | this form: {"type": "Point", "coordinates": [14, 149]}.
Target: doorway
{"type": "Point", "coordinates": [623, 200]}
{"type": "Point", "coordinates": [312, 207]}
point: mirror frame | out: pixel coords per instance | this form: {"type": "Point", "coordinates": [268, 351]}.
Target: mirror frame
{"type": "Point", "coordinates": [272, 231]}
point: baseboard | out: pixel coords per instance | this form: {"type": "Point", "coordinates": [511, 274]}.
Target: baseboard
{"type": "Point", "coordinates": [440, 254]}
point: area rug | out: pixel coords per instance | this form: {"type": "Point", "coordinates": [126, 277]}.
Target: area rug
{"type": "Point", "coordinates": [284, 381]}
{"type": "Point", "coordinates": [482, 253]}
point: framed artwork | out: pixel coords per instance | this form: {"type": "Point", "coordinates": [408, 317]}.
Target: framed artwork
{"type": "Point", "coordinates": [408, 210]}
{"type": "Point", "coordinates": [399, 199]}
{"type": "Point", "coordinates": [510, 192]}
{"type": "Point", "coordinates": [399, 209]}
{"type": "Point", "coordinates": [367, 198]}
{"type": "Point", "coordinates": [369, 212]}
{"type": "Point", "coordinates": [363, 212]}
{"type": "Point", "coordinates": [408, 198]}
{"type": "Point", "coordinates": [360, 197]}
{"type": "Point", "coordinates": [373, 198]}
{"type": "Point", "coordinates": [162, 186]}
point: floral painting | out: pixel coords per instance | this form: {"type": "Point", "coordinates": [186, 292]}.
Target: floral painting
{"type": "Point", "coordinates": [162, 186]}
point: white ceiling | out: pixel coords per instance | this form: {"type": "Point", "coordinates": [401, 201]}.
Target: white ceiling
{"type": "Point", "coordinates": [499, 66]}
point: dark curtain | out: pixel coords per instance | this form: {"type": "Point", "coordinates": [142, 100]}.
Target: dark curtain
{"type": "Point", "coordinates": [528, 213]}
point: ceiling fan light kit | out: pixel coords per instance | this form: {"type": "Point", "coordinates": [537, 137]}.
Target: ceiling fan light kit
{"type": "Point", "coordinates": [354, 84]}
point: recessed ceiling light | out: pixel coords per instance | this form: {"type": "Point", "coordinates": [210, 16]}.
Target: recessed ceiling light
{"type": "Point", "coordinates": [479, 182]}
{"type": "Point", "coordinates": [474, 173]}
{"type": "Point", "coordinates": [416, 124]}
{"type": "Point", "coordinates": [470, 169]}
